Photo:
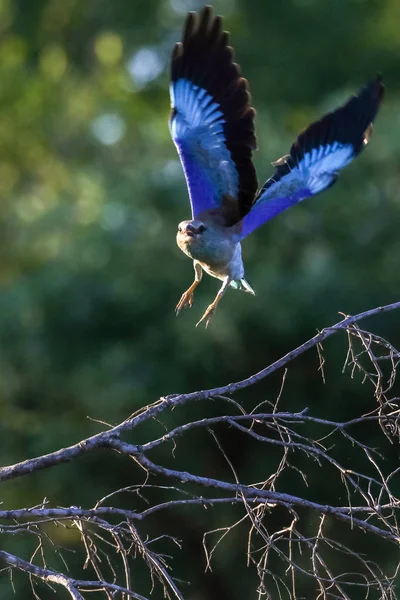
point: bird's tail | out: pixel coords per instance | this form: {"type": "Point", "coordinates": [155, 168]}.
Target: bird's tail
{"type": "Point", "coordinates": [242, 284]}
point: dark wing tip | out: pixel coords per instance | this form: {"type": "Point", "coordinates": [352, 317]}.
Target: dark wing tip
{"type": "Point", "coordinates": [177, 51]}
{"type": "Point", "coordinates": [380, 89]}
{"type": "Point", "coordinates": [379, 82]}
{"type": "Point", "coordinates": [205, 58]}
{"type": "Point", "coordinates": [375, 90]}
{"type": "Point", "coordinates": [189, 27]}
{"type": "Point", "coordinates": [351, 123]}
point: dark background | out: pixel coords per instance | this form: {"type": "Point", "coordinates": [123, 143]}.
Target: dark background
{"type": "Point", "coordinates": [91, 192]}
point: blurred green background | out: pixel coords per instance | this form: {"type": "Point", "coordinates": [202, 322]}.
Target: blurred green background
{"type": "Point", "coordinates": [91, 193]}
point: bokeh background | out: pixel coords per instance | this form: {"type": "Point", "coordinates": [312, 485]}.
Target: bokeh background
{"type": "Point", "coordinates": [91, 192]}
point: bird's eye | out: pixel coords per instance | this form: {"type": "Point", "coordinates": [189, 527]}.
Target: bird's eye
{"type": "Point", "coordinates": [201, 229]}
{"type": "Point", "coordinates": [179, 229]}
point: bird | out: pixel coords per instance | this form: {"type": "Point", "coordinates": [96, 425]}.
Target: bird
{"type": "Point", "coordinates": [212, 126]}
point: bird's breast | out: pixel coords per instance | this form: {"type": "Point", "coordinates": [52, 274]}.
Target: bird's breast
{"type": "Point", "coordinates": [218, 256]}
{"type": "Point", "coordinates": [209, 249]}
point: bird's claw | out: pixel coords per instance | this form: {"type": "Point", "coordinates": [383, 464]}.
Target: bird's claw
{"type": "Point", "coordinates": [186, 301]}
{"type": "Point", "coordinates": [208, 315]}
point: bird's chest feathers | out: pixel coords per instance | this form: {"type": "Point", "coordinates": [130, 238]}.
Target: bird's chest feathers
{"type": "Point", "coordinates": [212, 252]}
{"type": "Point", "coordinates": [218, 257]}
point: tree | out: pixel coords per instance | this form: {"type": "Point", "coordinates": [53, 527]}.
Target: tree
{"type": "Point", "coordinates": [305, 544]}
{"type": "Point", "coordinates": [91, 191]}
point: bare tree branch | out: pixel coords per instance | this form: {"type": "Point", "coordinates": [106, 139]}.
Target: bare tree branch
{"type": "Point", "coordinates": [71, 585]}
{"type": "Point", "coordinates": [111, 541]}
{"type": "Point", "coordinates": [104, 439]}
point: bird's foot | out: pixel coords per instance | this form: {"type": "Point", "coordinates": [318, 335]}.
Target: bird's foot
{"type": "Point", "coordinates": [208, 315]}
{"type": "Point", "coordinates": [186, 301]}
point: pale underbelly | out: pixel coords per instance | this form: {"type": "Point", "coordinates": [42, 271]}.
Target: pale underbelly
{"type": "Point", "coordinates": [217, 272]}
{"type": "Point", "coordinates": [225, 261]}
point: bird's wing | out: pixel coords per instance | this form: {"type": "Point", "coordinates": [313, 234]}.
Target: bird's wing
{"type": "Point", "coordinates": [212, 122]}
{"type": "Point", "coordinates": [317, 156]}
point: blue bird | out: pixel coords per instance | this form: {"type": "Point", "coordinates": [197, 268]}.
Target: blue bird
{"type": "Point", "coordinates": [212, 126]}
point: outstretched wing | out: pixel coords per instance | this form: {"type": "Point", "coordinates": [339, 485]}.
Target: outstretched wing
{"type": "Point", "coordinates": [212, 122]}
{"type": "Point", "coordinates": [317, 156]}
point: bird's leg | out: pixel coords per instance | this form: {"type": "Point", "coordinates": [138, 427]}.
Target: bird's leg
{"type": "Point", "coordinates": [212, 308]}
{"type": "Point", "coordinates": [187, 297]}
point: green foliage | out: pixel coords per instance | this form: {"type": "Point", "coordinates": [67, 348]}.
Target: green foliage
{"type": "Point", "coordinates": [89, 270]}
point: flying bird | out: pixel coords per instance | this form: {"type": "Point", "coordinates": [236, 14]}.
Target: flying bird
{"type": "Point", "coordinates": [212, 126]}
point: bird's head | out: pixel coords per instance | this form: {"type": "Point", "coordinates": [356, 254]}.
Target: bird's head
{"type": "Point", "coordinates": [191, 229]}
{"type": "Point", "coordinates": [194, 237]}
{"type": "Point", "coordinates": [206, 241]}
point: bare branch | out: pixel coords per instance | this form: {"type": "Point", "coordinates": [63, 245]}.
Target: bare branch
{"type": "Point", "coordinates": [113, 532]}
{"type": "Point", "coordinates": [71, 585]}
{"type": "Point", "coordinates": [104, 439]}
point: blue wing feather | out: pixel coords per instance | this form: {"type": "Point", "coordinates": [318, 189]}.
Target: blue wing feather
{"type": "Point", "coordinates": [197, 129]}
{"type": "Point", "coordinates": [317, 156]}
{"type": "Point", "coordinates": [211, 121]}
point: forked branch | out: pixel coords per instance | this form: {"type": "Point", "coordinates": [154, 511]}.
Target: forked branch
{"type": "Point", "coordinates": [110, 538]}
